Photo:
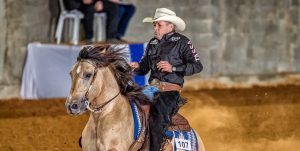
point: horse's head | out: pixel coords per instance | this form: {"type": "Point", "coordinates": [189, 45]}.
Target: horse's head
{"type": "Point", "coordinates": [99, 75]}
{"type": "Point", "coordinates": [87, 78]}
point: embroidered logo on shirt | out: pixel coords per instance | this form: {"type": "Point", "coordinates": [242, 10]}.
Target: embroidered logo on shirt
{"type": "Point", "coordinates": [154, 42]}
{"type": "Point", "coordinates": [175, 38]}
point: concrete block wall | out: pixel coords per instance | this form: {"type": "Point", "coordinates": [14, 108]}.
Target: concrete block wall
{"type": "Point", "coordinates": [21, 22]}
{"type": "Point", "coordinates": [233, 37]}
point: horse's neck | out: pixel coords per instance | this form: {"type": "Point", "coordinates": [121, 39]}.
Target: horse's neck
{"type": "Point", "coordinates": [108, 91]}
{"type": "Point", "coordinates": [116, 107]}
{"type": "Point", "coordinates": [114, 119]}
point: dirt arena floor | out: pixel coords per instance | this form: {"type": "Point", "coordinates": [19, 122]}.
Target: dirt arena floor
{"type": "Point", "coordinates": [252, 119]}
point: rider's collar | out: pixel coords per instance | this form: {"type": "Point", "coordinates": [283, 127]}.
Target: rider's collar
{"type": "Point", "coordinates": [168, 35]}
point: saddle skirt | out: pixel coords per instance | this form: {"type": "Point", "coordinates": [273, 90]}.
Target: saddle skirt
{"type": "Point", "coordinates": [179, 129]}
{"type": "Point", "coordinates": [181, 134]}
{"type": "Point", "coordinates": [178, 122]}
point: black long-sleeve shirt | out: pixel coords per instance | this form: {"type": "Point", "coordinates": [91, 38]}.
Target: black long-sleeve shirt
{"type": "Point", "coordinates": [178, 51]}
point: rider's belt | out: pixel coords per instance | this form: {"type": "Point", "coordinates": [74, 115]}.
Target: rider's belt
{"type": "Point", "coordinates": [165, 86]}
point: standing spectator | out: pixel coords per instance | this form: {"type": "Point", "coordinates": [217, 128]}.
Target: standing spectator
{"type": "Point", "coordinates": [111, 9]}
{"type": "Point", "coordinates": [126, 11]}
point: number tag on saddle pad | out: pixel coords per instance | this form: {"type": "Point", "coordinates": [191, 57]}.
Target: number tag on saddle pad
{"type": "Point", "coordinates": [183, 144]}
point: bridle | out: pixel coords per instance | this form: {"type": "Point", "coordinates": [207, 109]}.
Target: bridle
{"type": "Point", "coordinates": [87, 102]}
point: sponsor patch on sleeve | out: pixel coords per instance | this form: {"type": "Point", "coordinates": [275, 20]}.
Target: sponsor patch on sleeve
{"type": "Point", "coordinates": [194, 51]}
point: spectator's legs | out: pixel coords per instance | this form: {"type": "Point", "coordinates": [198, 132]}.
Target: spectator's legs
{"type": "Point", "coordinates": [112, 19]}
{"type": "Point", "coordinates": [125, 14]}
{"type": "Point", "coordinates": [120, 16]}
{"type": "Point", "coordinates": [88, 20]}
{"type": "Point", "coordinates": [72, 4]}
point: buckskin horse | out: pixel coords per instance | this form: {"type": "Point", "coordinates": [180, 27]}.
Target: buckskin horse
{"type": "Point", "coordinates": [102, 83]}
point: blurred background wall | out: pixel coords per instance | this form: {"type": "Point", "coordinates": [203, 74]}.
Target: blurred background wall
{"type": "Point", "coordinates": [234, 38]}
{"type": "Point", "coordinates": [21, 22]}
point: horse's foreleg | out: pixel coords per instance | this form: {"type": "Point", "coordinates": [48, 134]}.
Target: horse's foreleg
{"type": "Point", "coordinates": [89, 136]}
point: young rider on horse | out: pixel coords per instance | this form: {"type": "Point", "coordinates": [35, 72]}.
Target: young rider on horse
{"type": "Point", "coordinates": [169, 57]}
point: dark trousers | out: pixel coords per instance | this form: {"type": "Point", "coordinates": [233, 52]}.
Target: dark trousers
{"type": "Point", "coordinates": [111, 10]}
{"type": "Point", "coordinates": [166, 105]}
{"type": "Point", "coordinates": [88, 20]}
{"type": "Point", "coordinates": [88, 11]}
{"type": "Point", "coordinates": [125, 14]}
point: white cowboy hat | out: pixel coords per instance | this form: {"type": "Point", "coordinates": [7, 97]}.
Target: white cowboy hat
{"type": "Point", "coordinates": [165, 14]}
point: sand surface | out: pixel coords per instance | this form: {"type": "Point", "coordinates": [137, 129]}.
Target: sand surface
{"type": "Point", "coordinates": [250, 119]}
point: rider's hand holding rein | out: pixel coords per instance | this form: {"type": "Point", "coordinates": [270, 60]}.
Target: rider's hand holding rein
{"type": "Point", "coordinates": [134, 65]}
{"type": "Point", "coordinates": [163, 66]}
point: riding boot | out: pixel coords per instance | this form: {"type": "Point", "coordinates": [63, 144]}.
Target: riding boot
{"type": "Point", "coordinates": [166, 104]}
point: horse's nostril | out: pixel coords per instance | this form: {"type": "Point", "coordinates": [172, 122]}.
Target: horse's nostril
{"type": "Point", "coordinates": [74, 106]}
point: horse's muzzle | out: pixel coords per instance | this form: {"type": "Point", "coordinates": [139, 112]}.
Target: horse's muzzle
{"type": "Point", "coordinates": [76, 107]}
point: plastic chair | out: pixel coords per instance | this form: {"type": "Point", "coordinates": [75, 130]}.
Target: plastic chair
{"type": "Point", "coordinates": [75, 16]}
{"type": "Point", "coordinates": [100, 26]}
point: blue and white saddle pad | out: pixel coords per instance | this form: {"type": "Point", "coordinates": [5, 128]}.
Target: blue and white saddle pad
{"type": "Point", "coordinates": [184, 140]}
{"type": "Point", "coordinates": [136, 119]}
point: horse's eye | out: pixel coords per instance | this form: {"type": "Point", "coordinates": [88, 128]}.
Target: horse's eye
{"type": "Point", "coordinates": [87, 75]}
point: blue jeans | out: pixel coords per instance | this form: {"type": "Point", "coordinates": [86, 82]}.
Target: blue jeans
{"type": "Point", "coordinates": [126, 11]}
